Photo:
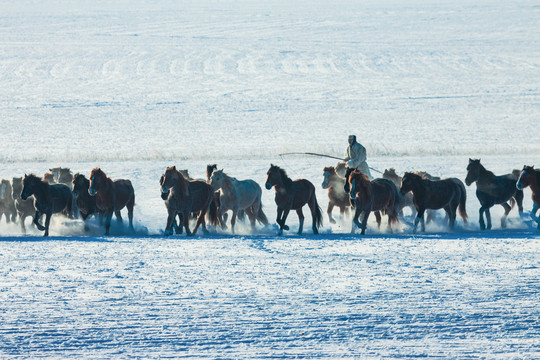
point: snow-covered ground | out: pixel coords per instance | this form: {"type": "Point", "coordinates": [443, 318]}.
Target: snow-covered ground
{"type": "Point", "coordinates": [134, 87]}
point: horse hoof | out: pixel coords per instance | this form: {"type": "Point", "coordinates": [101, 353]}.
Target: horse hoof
{"type": "Point", "coordinates": [332, 221]}
{"type": "Point", "coordinates": [285, 227]}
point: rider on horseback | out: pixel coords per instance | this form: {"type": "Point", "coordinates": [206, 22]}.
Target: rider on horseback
{"type": "Point", "coordinates": [355, 157]}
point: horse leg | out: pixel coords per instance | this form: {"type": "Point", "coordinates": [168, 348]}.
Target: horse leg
{"type": "Point", "coordinates": [357, 212]}
{"type": "Point", "coordinates": [185, 217]}
{"type": "Point", "coordinates": [178, 227]}
{"type": "Point", "coordinates": [507, 209]}
{"type": "Point", "coordinates": [108, 217]}
{"type": "Point", "coordinates": [283, 219]}
{"type": "Point", "coordinates": [233, 220]}
{"type": "Point", "coordinates": [329, 212]}
{"type": "Point", "coordinates": [47, 222]}
{"type": "Point", "coordinates": [251, 214]}
{"type": "Point", "coordinates": [118, 216]}
{"type": "Point", "coordinates": [419, 218]}
{"type": "Point", "coordinates": [171, 221]}
{"type": "Point", "coordinates": [301, 220]}
{"type": "Point", "coordinates": [451, 214]}
{"type": "Point", "coordinates": [36, 221]}
{"type": "Point", "coordinates": [130, 205]}
{"type": "Point", "coordinates": [488, 218]}
{"type": "Point", "coordinates": [533, 213]}
{"type": "Point", "coordinates": [201, 222]}
{"type": "Point", "coordinates": [21, 219]}
{"type": "Point", "coordinates": [481, 218]}
{"type": "Point", "coordinates": [364, 221]}
{"type": "Point", "coordinates": [519, 201]}
{"type": "Point", "coordinates": [378, 218]}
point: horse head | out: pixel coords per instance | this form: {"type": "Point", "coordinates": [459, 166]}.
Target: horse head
{"type": "Point", "coordinates": [273, 177]}
{"type": "Point", "coordinates": [328, 172]}
{"type": "Point", "coordinates": [80, 184]}
{"type": "Point", "coordinates": [216, 179]}
{"type": "Point", "coordinates": [473, 171]}
{"type": "Point", "coordinates": [97, 180]}
{"type": "Point", "coordinates": [525, 177]}
{"type": "Point", "coordinates": [170, 178]}
{"type": "Point", "coordinates": [30, 185]}
{"type": "Point", "coordinates": [408, 182]}
{"type": "Point", "coordinates": [360, 186]}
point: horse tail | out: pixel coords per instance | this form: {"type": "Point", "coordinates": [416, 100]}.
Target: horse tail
{"type": "Point", "coordinates": [462, 201]}
{"type": "Point", "coordinates": [318, 218]}
{"type": "Point", "coordinates": [512, 202]}
{"type": "Point", "coordinates": [213, 217]}
{"type": "Point", "coordinates": [261, 217]}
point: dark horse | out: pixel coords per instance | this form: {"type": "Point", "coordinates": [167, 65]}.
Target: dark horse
{"type": "Point", "coordinates": [447, 194]}
{"type": "Point", "coordinates": [25, 208]}
{"type": "Point", "coordinates": [186, 197]}
{"type": "Point", "coordinates": [48, 199]}
{"type": "Point", "coordinates": [491, 190]}
{"type": "Point", "coordinates": [336, 195]}
{"type": "Point", "coordinates": [531, 177]}
{"type": "Point", "coordinates": [111, 196]}
{"type": "Point", "coordinates": [85, 203]}
{"type": "Point", "coordinates": [376, 195]}
{"type": "Point", "coordinates": [293, 195]}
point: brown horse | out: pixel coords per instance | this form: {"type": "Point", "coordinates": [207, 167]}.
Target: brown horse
{"type": "Point", "coordinates": [7, 204]}
{"type": "Point", "coordinates": [376, 195]}
{"type": "Point", "coordinates": [49, 178]}
{"type": "Point", "coordinates": [492, 190]}
{"type": "Point", "coordinates": [48, 199]}
{"type": "Point", "coordinates": [447, 194]}
{"type": "Point", "coordinates": [25, 208]}
{"type": "Point", "coordinates": [186, 197]}
{"type": "Point", "coordinates": [531, 177]}
{"type": "Point", "coordinates": [111, 196]}
{"type": "Point", "coordinates": [293, 195]}
{"type": "Point", "coordinates": [336, 195]}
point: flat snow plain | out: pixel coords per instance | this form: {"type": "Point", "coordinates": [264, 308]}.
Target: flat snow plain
{"type": "Point", "coordinates": [137, 86]}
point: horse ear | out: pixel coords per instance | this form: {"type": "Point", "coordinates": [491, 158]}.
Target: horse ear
{"type": "Point", "coordinates": [174, 167]}
{"type": "Point", "coordinates": [470, 161]}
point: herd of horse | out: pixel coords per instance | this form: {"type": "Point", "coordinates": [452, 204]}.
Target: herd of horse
{"type": "Point", "coordinates": [59, 191]}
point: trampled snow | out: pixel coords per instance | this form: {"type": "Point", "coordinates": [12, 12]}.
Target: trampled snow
{"type": "Point", "coordinates": [134, 87]}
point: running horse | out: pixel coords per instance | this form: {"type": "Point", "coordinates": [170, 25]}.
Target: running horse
{"type": "Point", "coordinates": [238, 195]}
{"type": "Point", "coordinates": [111, 197]}
{"type": "Point", "coordinates": [293, 195]}
{"type": "Point", "coordinates": [337, 197]}
{"type": "Point", "coordinates": [448, 194]}
{"type": "Point", "coordinates": [492, 190]}
{"type": "Point", "coordinates": [185, 197]}
{"type": "Point", "coordinates": [377, 195]}
{"type": "Point", "coordinates": [48, 199]}
{"type": "Point", "coordinates": [531, 177]}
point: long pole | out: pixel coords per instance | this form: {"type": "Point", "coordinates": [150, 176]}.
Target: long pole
{"type": "Point", "coordinates": [323, 155]}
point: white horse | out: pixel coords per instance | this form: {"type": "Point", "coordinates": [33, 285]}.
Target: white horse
{"type": "Point", "coordinates": [236, 195]}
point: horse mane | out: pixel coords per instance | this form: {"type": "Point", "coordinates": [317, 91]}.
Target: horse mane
{"type": "Point", "coordinates": [489, 173]}
{"type": "Point", "coordinates": [413, 175]}
{"type": "Point", "coordinates": [283, 174]}
{"type": "Point", "coordinates": [181, 179]}
{"type": "Point", "coordinates": [536, 172]}
{"type": "Point", "coordinates": [98, 171]}
{"type": "Point", "coordinates": [330, 169]}
{"type": "Point", "coordinates": [210, 169]}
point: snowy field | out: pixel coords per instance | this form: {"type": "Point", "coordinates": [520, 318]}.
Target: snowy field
{"type": "Point", "coordinates": [135, 86]}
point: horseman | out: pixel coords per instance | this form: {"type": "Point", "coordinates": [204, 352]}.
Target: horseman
{"type": "Point", "coordinates": [355, 157]}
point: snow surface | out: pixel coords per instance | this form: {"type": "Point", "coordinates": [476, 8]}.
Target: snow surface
{"type": "Point", "coordinates": [137, 86]}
